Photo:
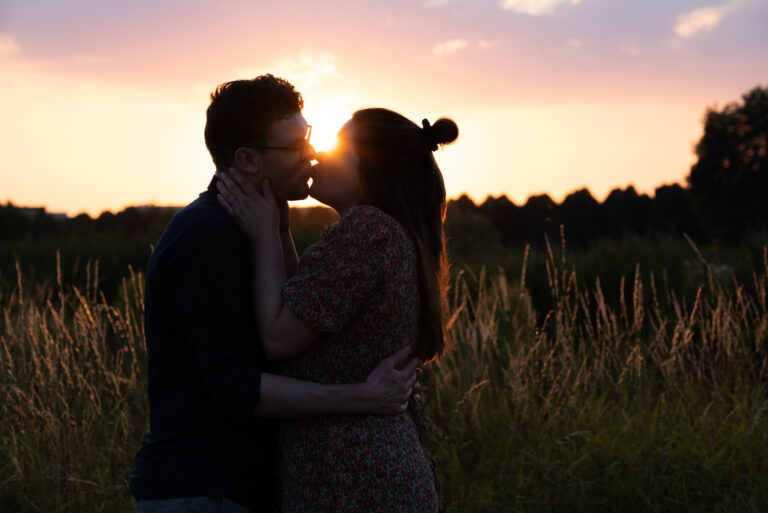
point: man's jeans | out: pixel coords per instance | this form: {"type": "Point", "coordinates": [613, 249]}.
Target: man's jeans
{"type": "Point", "coordinates": [189, 505]}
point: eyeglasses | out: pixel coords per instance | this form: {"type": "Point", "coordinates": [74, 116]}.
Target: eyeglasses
{"type": "Point", "coordinates": [303, 147]}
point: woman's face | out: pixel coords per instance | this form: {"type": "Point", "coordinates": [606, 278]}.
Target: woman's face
{"type": "Point", "coordinates": [336, 181]}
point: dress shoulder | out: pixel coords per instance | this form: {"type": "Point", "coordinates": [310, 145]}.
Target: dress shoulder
{"type": "Point", "coordinates": [367, 224]}
{"type": "Point", "coordinates": [339, 274]}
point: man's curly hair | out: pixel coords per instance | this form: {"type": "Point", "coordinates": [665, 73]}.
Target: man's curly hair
{"type": "Point", "coordinates": [241, 112]}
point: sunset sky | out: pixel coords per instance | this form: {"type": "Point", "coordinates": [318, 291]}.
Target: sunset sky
{"type": "Point", "coordinates": [102, 102]}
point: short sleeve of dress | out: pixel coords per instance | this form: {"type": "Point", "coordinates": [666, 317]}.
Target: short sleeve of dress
{"type": "Point", "coordinates": [338, 274]}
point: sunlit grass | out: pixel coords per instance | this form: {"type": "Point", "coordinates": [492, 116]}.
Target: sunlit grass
{"type": "Point", "coordinates": [656, 404]}
{"type": "Point", "coordinates": [73, 404]}
{"type": "Point", "coordinates": [602, 409]}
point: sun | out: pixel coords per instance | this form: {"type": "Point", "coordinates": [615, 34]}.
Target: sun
{"type": "Point", "coordinates": [326, 118]}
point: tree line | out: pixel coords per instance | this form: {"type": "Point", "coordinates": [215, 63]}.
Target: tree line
{"type": "Point", "coordinates": [583, 219]}
{"type": "Point", "coordinates": [725, 195]}
{"type": "Point", "coordinates": [723, 198]}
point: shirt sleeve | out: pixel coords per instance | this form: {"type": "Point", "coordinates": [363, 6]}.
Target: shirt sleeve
{"type": "Point", "coordinates": [211, 299]}
{"type": "Point", "coordinates": [338, 274]}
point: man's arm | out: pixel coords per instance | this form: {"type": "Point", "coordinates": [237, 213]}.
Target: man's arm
{"type": "Point", "coordinates": [385, 392]}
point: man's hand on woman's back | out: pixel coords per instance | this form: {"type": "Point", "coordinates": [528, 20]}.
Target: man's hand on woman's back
{"type": "Point", "coordinates": [390, 387]}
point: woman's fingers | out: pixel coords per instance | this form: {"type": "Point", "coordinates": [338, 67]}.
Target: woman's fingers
{"type": "Point", "coordinates": [266, 188]}
{"type": "Point", "coordinates": [247, 187]}
{"type": "Point", "coordinates": [231, 184]}
{"type": "Point", "coordinates": [236, 177]}
{"type": "Point", "coordinates": [243, 197]}
{"type": "Point", "coordinates": [254, 211]}
{"type": "Point", "coordinates": [226, 177]}
{"type": "Point", "coordinates": [227, 195]}
{"type": "Point", "coordinates": [225, 204]}
{"type": "Point", "coordinates": [224, 192]}
{"type": "Point", "coordinates": [230, 203]}
{"type": "Point", "coordinates": [243, 190]}
{"type": "Point", "coordinates": [235, 181]}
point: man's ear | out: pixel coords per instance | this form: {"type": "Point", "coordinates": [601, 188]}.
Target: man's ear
{"type": "Point", "coordinates": [248, 160]}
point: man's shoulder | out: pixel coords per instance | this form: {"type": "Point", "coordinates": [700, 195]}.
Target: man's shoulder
{"type": "Point", "coordinates": [201, 226]}
{"type": "Point", "coordinates": [202, 220]}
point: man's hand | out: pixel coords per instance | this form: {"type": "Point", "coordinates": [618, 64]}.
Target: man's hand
{"type": "Point", "coordinates": [417, 386]}
{"type": "Point", "coordinates": [389, 388]}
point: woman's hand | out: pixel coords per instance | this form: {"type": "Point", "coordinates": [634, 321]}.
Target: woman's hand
{"type": "Point", "coordinates": [257, 213]}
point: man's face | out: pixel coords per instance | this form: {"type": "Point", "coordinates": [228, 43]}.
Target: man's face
{"type": "Point", "coordinates": [287, 171]}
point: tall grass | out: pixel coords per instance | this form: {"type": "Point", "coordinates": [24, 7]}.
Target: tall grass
{"type": "Point", "coordinates": [654, 404]}
{"type": "Point", "coordinates": [73, 406]}
{"type": "Point", "coordinates": [634, 408]}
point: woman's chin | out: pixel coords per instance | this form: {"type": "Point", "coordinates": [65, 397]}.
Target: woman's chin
{"type": "Point", "coordinates": [296, 195]}
{"type": "Point", "coordinates": [325, 200]}
{"type": "Point", "coordinates": [317, 194]}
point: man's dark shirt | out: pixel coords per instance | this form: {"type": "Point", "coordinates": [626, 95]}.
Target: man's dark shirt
{"type": "Point", "coordinates": [205, 365]}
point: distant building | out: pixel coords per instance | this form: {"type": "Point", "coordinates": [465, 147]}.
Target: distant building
{"type": "Point", "coordinates": [38, 211]}
{"type": "Point", "coordinates": [32, 211]}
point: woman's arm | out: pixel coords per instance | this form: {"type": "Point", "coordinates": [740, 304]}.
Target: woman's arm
{"type": "Point", "coordinates": [283, 334]}
{"type": "Point", "coordinates": [290, 257]}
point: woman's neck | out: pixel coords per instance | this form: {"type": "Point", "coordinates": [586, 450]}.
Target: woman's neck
{"type": "Point", "coordinates": [342, 209]}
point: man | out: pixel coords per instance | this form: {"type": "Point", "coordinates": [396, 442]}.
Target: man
{"type": "Point", "coordinates": [211, 444]}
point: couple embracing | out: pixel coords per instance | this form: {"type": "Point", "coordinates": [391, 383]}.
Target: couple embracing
{"type": "Point", "coordinates": [279, 384]}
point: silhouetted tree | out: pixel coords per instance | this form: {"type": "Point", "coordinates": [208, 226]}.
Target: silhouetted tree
{"type": "Point", "coordinates": [14, 223]}
{"type": "Point", "coordinates": [672, 212]}
{"type": "Point", "coordinates": [730, 179]}
{"type": "Point", "coordinates": [106, 222]}
{"type": "Point", "coordinates": [81, 223]}
{"type": "Point", "coordinates": [580, 215]}
{"type": "Point", "coordinates": [539, 216]}
{"type": "Point", "coordinates": [505, 219]}
{"type": "Point", "coordinates": [130, 221]}
{"type": "Point", "coordinates": [625, 210]}
{"type": "Point", "coordinates": [464, 204]}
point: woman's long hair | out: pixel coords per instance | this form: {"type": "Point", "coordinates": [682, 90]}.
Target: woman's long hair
{"type": "Point", "coordinates": [399, 175]}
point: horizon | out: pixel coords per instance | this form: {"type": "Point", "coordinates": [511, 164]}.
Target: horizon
{"type": "Point", "coordinates": [311, 203]}
{"type": "Point", "coordinates": [550, 96]}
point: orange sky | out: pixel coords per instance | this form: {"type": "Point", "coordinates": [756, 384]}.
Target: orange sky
{"type": "Point", "coordinates": [103, 103]}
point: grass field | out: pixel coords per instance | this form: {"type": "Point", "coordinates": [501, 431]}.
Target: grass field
{"type": "Point", "coordinates": [652, 402]}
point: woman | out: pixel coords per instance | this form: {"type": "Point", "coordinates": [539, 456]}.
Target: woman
{"type": "Point", "coordinates": [375, 281]}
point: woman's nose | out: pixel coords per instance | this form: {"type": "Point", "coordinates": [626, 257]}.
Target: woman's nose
{"type": "Point", "coordinates": [310, 153]}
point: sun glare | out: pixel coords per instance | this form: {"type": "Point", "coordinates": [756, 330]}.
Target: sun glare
{"type": "Point", "coordinates": [326, 119]}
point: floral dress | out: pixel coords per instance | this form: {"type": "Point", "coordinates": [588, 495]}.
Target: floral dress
{"type": "Point", "coordinates": [358, 287]}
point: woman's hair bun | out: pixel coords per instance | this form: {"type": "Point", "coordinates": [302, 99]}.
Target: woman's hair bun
{"type": "Point", "coordinates": [444, 131]}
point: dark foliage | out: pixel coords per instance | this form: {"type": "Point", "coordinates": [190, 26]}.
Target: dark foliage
{"type": "Point", "coordinates": [729, 181]}
{"type": "Point", "coordinates": [118, 241]}
{"type": "Point", "coordinates": [583, 219]}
